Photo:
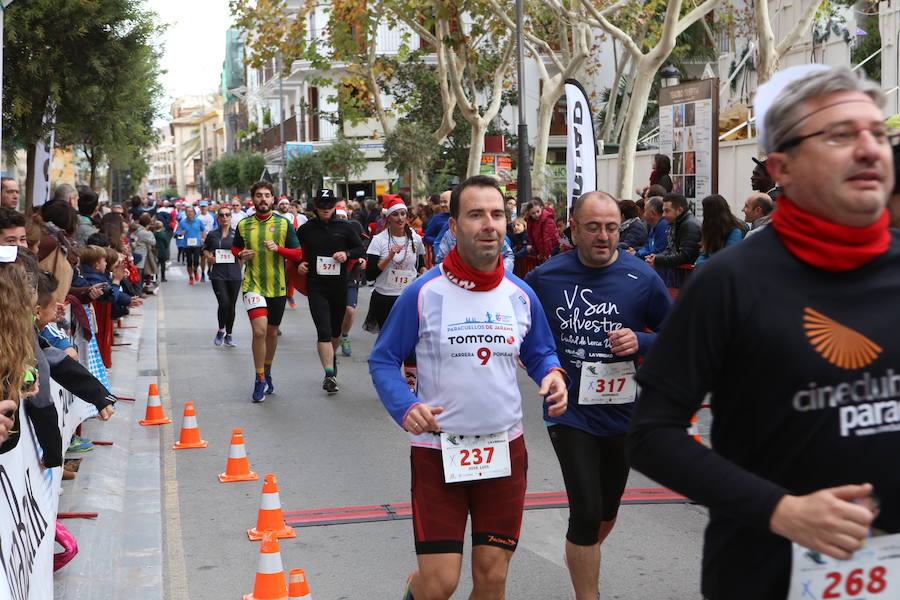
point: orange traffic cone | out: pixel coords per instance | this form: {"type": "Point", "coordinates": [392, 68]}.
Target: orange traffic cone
{"type": "Point", "coordinates": [154, 415]}
{"type": "Point", "coordinates": [190, 433]}
{"type": "Point", "coordinates": [269, 584]}
{"type": "Point", "coordinates": [298, 587]}
{"type": "Point", "coordinates": [270, 517]}
{"type": "Point", "coordinates": [238, 467]}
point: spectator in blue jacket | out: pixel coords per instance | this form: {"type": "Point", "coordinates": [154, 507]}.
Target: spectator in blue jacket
{"type": "Point", "coordinates": [437, 222]}
{"type": "Point", "coordinates": [657, 229]}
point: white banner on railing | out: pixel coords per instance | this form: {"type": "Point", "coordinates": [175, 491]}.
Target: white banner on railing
{"type": "Point", "coordinates": [29, 499]}
{"type": "Point", "coordinates": [581, 145]}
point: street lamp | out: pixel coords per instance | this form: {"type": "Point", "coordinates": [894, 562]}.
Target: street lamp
{"type": "Point", "coordinates": [669, 76]}
{"type": "Point", "coordinates": [523, 181]}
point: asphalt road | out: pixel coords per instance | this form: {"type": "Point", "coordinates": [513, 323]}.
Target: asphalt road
{"type": "Point", "coordinates": [344, 450]}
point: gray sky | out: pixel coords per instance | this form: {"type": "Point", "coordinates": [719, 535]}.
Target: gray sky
{"type": "Point", "coordinates": [194, 44]}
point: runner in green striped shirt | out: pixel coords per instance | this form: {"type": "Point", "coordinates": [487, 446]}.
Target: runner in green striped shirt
{"type": "Point", "coordinates": [261, 242]}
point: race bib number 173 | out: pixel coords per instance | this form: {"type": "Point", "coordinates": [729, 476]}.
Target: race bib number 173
{"type": "Point", "coordinates": [872, 574]}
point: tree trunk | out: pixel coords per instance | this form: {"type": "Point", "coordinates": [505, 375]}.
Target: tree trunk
{"type": "Point", "coordinates": [31, 155]}
{"type": "Point", "coordinates": [643, 81]}
{"type": "Point", "coordinates": [93, 162]}
{"type": "Point", "coordinates": [416, 187]}
{"type": "Point", "coordinates": [626, 104]}
{"type": "Point", "coordinates": [476, 146]}
{"type": "Point", "coordinates": [545, 116]}
{"type": "Point", "coordinates": [610, 116]}
{"type": "Point", "coordinates": [767, 59]}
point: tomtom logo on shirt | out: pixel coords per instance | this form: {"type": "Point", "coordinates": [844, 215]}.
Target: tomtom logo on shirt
{"type": "Point", "coordinates": [481, 339]}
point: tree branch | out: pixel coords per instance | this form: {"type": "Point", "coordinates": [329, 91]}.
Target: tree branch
{"type": "Point", "coordinates": [614, 31]}
{"type": "Point", "coordinates": [695, 15]}
{"type": "Point", "coordinates": [499, 75]}
{"type": "Point", "coordinates": [799, 29]}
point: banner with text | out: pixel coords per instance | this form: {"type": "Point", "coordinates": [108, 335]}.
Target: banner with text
{"type": "Point", "coordinates": [30, 499]}
{"type": "Point", "coordinates": [581, 145]}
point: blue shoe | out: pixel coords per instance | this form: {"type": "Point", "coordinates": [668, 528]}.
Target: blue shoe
{"type": "Point", "coordinates": [259, 391]}
{"type": "Point", "coordinates": [346, 350]}
{"type": "Point", "coordinates": [80, 444]}
{"type": "Point", "coordinates": [203, 277]}
{"type": "Point", "coordinates": [220, 335]}
{"type": "Point", "coordinates": [229, 342]}
{"type": "Point", "coordinates": [270, 389]}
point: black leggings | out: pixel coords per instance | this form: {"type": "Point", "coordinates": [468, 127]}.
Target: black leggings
{"type": "Point", "coordinates": [193, 256]}
{"type": "Point", "coordinates": [327, 305]}
{"type": "Point", "coordinates": [595, 471]}
{"type": "Point", "coordinates": [226, 291]}
{"type": "Point", "coordinates": [162, 268]}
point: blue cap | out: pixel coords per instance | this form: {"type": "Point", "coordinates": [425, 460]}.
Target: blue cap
{"type": "Point", "coordinates": [204, 203]}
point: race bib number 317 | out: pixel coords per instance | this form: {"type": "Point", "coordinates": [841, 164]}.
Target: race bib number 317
{"type": "Point", "coordinates": [872, 574]}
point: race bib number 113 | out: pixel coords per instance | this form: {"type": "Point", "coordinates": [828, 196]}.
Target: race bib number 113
{"type": "Point", "coordinates": [872, 574]}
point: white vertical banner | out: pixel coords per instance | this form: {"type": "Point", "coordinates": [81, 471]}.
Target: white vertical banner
{"type": "Point", "coordinates": [581, 145]}
{"type": "Point", "coordinates": [43, 165]}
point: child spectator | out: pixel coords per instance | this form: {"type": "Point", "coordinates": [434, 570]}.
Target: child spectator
{"type": "Point", "coordinates": [519, 238]}
{"type": "Point", "coordinates": [47, 314]}
{"type": "Point", "coordinates": [94, 263]}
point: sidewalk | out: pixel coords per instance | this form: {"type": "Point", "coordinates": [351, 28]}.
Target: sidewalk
{"type": "Point", "coordinates": [120, 552]}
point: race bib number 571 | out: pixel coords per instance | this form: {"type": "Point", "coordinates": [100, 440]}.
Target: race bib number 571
{"type": "Point", "coordinates": [872, 574]}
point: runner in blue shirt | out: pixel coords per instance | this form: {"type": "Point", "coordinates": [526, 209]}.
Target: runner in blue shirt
{"type": "Point", "coordinates": [194, 236]}
{"type": "Point", "coordinates": [599, 302]}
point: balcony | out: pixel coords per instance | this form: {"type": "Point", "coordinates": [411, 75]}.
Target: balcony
{"type": "Point", "coordinates": [271, 137]}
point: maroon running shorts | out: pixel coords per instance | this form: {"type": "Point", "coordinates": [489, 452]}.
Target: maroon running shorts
{"type": "Point", "coordinates": [440, 510]}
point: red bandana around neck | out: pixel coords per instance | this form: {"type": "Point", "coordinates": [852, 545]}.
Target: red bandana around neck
{"type": "Point", "coordinates": [827, 245]}
{"type": "Point", "coordinates": [468, 278]}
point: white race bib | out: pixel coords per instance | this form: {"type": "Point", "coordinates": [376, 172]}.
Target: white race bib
{"type": "Point", "coordinates": [325, 265]}
{"type": "Point", "coordinates": [473, 457]}
{"type": "Point", "coordinates": [193, 242]}
{"type": "Point", "coordinates": [400, 278]}
{"type": "Point", "coordinates": [607, 383]}
{"type": "Point", "coordinates": [224, 257]}
{"type": "Point", "coordinates": [253, 300]}
{"type": "Point", "coordinates": [872, 574]}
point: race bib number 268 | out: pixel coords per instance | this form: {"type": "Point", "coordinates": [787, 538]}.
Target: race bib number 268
{"type": "Point", "coordinates": [873, 573]}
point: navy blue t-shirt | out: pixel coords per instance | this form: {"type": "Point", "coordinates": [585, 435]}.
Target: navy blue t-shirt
{"type": "Point", "coordinates": [582, 304]}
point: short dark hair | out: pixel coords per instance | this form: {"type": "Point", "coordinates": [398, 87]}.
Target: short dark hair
{"type": "Point", "coordinates": [145, 219]}
{"type": "Point", "coordinates": [433, 199]}
{"type": "Point", "coordinates": [97, 239]}
{"type": "Point", "coordinates": [61, 214]}
{"type": "Point", "coordinates": [656, 190]}
{"type": "Point", "coordinates": [473, 181]}
{"type": "Point", "coordinates": [87, 200]}
{"type": "Point", "coordinates": [677, 200]}
{"type": "Point", "coordinates": [537, 200]}
{"type": "Point", "coordinates": [629, 209]}
{"type": "Point", "coordinates": [10, 218]}
{"type": "Point", "coordinates": [3, 181]}
{"type": "Point", "coordinates": [46, 285]}
{"type": "Point", "coordinates": [261, 184]}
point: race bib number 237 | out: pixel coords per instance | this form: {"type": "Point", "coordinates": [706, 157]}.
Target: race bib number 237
{"type": "Point", "coordinates": [872, 574]}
